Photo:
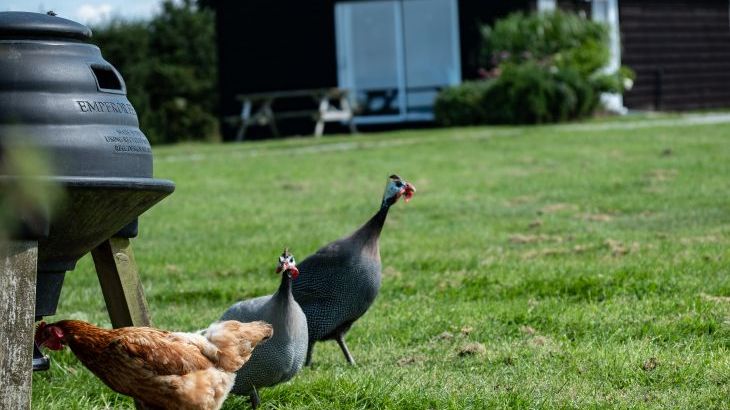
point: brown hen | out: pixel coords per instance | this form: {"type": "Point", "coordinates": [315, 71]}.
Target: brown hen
{"type": "Point", "coordinates": [161, 369]}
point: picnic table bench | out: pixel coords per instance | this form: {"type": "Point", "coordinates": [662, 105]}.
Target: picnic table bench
{"type": "Point", "coordinates": [331, 104]}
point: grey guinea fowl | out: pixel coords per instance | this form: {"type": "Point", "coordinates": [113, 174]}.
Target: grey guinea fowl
{"type": "Point", "coordinates": [281, 357]}
{"type": "Point", "coordinates": [341, 280]}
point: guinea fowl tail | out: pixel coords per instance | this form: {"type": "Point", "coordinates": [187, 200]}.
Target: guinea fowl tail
{"type": "Point", "coordinates": [236, 341]}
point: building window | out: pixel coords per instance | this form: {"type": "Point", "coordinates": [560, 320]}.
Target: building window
{"type": "Point", "coordinates": [394, 56]}
{"type": "Point", "coordinates": [545, 5]}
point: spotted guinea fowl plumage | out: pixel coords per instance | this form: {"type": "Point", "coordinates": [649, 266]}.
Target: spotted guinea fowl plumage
{"type": "Point", "coordinates": [340, 281]}
{"type": "Point", "coordinates": [282, 356]}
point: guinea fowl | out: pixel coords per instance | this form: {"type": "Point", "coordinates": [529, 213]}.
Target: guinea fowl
{"type": "Point", "coordinates": [341, 280]}
{"type": "Point", "coordinates": [280, 358]}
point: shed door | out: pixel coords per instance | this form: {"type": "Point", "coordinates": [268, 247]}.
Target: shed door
{"type": "Point", "coordinates": [395, 55]}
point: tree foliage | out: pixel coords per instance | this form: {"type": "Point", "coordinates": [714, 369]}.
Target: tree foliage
{"type": "Point", "coordinates": [169, 66]}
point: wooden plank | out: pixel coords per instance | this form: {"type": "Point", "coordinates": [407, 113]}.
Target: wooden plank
{"type": "Point", "coordinates": [18, 265]}
{"type": "Point", "coordinates": [120, 283]}
{"type": "Point", "coordinates": [314, 92]}
{"type": "Point", "coordinates": [268, 112]}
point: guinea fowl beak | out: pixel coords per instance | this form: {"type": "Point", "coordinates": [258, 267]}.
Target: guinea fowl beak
{"type": "Point", "coordinates": [284, 267]}
{"type": "Point", "coordinates": [408, 191]}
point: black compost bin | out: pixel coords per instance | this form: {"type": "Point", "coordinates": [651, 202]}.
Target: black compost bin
{"type": "Point", "coordinates": [59, 97]}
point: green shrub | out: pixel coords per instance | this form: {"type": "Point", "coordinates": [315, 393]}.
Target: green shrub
{"type": "Point", "coordinates": [522, 94]}
{"type": "Point", "coordinates": [528, 93]}
{"type": "Point", "coordinates": [546, 67]}
{"type": "Point", "coordinates": [563, 39]}
{"type": "Point", "coordinates": [462, 104]}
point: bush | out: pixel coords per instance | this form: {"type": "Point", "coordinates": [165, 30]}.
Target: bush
{"type": "Point", "coordinates": [528, 93]}
{"type": "Point", "coordinates": [565, 40]}
{"type": "Point", "coordinates": [462, 104]}
{"type": "Point", "coordinates": [546, 67]}
{"type": "Point", "coordinates": [523, 94]}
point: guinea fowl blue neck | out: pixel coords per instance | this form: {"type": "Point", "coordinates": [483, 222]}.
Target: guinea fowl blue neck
{"type": "Point", "coordinates": [288, 270]}
{"type": "Point", "coordinates": [284, 291]}
{"type": "Point", "coordinates": [369, 234]}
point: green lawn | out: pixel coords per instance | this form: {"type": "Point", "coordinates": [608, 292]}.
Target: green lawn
{"type": "Point", "coordinates": [579, 266]}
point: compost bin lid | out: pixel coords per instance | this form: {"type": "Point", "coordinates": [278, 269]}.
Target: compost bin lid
{"type": "Point", "coordinates": [21, 24]}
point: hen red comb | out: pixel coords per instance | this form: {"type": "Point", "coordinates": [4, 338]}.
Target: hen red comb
{"type": "Point", "coordinates": [39, 329]}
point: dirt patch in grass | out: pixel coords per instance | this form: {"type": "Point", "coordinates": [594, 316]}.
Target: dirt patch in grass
{"type": "Point", "coordinates": [466, 330]}
{"type": "Point", "coordinates": [544, 252]}
{"type": "Point", "coordinates": [717, 299]}
{"type": "Point", "coordinates": [534, 224]}
{"type": "Point", "coordinates": [445, 336]}
{"type": "Point", "coordinates": [391, 272]}
{"type": "Point", "coordinates": [662, 175]}
{"type": "Point", "coordinates": [618, 248]}
{"type": "Point", "coordinates": [538, 341]}
{"type": "Point", "coordinates": [650, 364]}
{"type": "Point", "coordinates": [528, 330]}
{"type": "Point", "coordinates": [410, 360]}
{"type": "Point", "coordinates": [597, 217]}
{"type": "Point", "coordinates": [519, 238]}
{"type": "Point", "coordinates": [700, 239]}
{"type": "Point", "coordinates": [559, 207]}
{"type": "Point", "coordinates": [520, 200]}
{"type": "Point", "coordinates": [472, 349]}
{"type": "Point", "coordinates": [170, 268]}
{"type": "Point", "coordinates": [295, 186]}
{"type": "Point", "coordinates": [537, 253]}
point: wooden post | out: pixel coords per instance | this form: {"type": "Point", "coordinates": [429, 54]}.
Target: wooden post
{"type": "Point", "coordinates": [345, 105]}
{"type": "Point", "coordinates": [120, 284]}
{"type": "Point", "coordinates": [268, 113]}
{"type": "Point", "coordinates": [18, 265]}
{"type": "Point", "coordinates": [324, 105]}
{"type": "Point", "coordinates": [245, 118]}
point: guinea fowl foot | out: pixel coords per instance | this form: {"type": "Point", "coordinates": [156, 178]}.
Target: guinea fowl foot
{"type": "Point", "coordinates": [254, 398]}
{"type": "Point", "coordinates": [341, 341]}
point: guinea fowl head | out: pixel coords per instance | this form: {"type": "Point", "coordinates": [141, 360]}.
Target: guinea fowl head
{"type": "Point", "coordinates": [287, 264]}
{"type": "Point", "coordinates": [395, 188]}
{"type": "Point", "coordinates": [50, 336]}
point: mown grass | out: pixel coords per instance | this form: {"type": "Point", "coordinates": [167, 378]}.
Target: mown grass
{"type": "Point", "coordinates": [590, 263]}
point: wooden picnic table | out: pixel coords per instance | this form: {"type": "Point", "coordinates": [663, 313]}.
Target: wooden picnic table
{"type": "Point", "coordinates": [259, 109]}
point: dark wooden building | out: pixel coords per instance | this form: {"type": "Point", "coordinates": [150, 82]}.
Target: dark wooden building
{"type": "Point", "coordinates": [680, 49]}
{"type": "Point", "coordinates": [275, 45]}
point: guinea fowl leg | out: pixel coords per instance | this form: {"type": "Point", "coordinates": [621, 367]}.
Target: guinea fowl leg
{"type": "Point", "coordinates": [308, 360]}
{"type": "Point", "coordinates": [254, 397]}
{"type": "Point", "coordinates": [341, 341]}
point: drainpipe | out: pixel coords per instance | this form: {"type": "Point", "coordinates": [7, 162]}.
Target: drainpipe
{"type": "Point", "coordinates": [606, 11]}
{"type": "Point", "coordinates": [545, 5]}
